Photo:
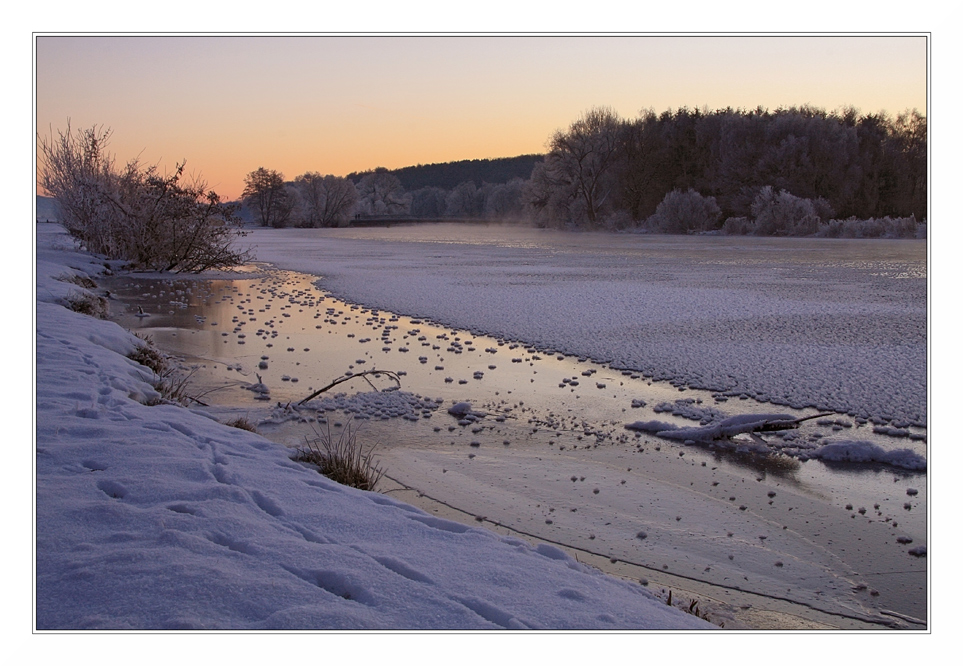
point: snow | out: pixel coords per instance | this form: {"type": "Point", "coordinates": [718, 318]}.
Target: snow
{"type": "Point", "coordinates": [835, 325]}
{"type": "Point", "coordinates": [159, 517]}
{"type": "Point", "coordinates": [857, 451]}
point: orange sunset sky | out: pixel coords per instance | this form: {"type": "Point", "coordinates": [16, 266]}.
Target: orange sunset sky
{"type": "Point", "coordinates": [337, 104]}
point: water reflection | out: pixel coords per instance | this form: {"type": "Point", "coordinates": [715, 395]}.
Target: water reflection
{"type": "Point", "coordinates": [278, 328]}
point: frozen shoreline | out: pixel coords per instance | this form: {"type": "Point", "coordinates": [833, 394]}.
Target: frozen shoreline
{"type": "Point", "coordinates": [796, 322]}
{"type": "Point", "coordinates": [229, 326]}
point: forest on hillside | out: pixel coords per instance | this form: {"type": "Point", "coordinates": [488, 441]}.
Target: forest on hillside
{"type": "Point", "coordinates": [448, 175]}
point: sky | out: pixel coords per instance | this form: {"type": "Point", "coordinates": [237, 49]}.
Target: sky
{"type": "Point", "coordinates": [337, 104]}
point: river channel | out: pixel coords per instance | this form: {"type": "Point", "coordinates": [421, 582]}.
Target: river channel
{"type": "Point", "coordinates": [764, 540]}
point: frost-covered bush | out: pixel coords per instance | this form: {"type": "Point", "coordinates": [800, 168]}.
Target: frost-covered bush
{"type": "Point", "coordinates": [737, 226]}
{"type": "Point", "coordinates": [685, 212]}
{"type": "Point", "coordinates": [880, 227]}
{"type": "Point", "coordinates": [783, 214]}
{"type": "Point", "coordinates": [154, 221]}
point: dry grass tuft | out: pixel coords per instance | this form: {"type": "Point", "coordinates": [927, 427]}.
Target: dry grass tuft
{"type": "Point", "coordinates": [242, 423]}
{"type": "Point", "coordinates": [172, 387]}
{"type": "Point", "coordinates": [149, 356]}
{"type": "Point", "coordinates": [88, 304]}
{"type": "Point", "coordinates": [342, 460]}
{"type": "Point", "coordinates": [79, 280]}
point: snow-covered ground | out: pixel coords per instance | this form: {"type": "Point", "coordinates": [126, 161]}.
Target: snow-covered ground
{"type": "Point", "coordinates": [159, 517]}
{"type": "Point", "coordinates": [833, 324]}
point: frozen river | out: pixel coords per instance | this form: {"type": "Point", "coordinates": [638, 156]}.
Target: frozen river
{"type": "Point", "coordinates": [759, 536]}
{"type": "Point", "coordinates": [833, 324]}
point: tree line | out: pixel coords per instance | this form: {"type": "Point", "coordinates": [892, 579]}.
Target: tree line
{"type": "Point", "coordinates": [313, 200]}
{"type": "Point", "coordinates": [793, 171]}
{"type": "Point", "coordinates": [786, 171]}
{"type": "Point", "coordinates": [448, 175]}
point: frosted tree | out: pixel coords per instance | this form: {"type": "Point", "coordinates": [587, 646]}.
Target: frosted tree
{"type": "Point", "coordinates": [381, 193]}
{"type": "Point", "coordinates": [325, 201]}
{"type": "Point", "coordinates": [578, 174]}
{"type": "Point", "coordinates": [505, 201]}
{"type": "Point", "coordinates": [429, 202]}
{"type": "Point", "coordinates": [76, 169]}
{"type": "Point", "coordinates": [783, 214]}
{"type": "Point", "coordinates": [465, 200]}
{"type": "Point", "coordinates": [266, 195]}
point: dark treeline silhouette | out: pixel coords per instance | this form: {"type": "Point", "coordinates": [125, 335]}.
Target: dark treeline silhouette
{"type": "Point", "coordinates": [448, 175]}
{"type": "Point", "coordinates": [801, 166]}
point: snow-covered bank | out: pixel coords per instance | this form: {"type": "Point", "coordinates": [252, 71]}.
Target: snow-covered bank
{"type": "Point", "coordinates": [833, 324]}
{"type": "Point", "coordinates": [161, 518]}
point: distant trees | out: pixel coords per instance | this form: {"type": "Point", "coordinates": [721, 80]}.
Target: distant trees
{"type": "Point", "coordinates": [505, 201]}
{"type": "Point", "coordinates": [575, 183]}
{"type": "Point", "coordinates": [429, 202]}
{"type": "Point", "coordinates": [324, 201]}
{"type": "Point", "coordinates": [448, 175]}
{"type": "Point", "coordinates": [265, 194]}
{"type": "Point", "coordinates": [381, 193]}
{"type": "Point", "coordinates": [152, 220]}
{"type": "Point", "coordinates": [603, 170]}
{"type": "Point", "coordinates": [466, 200]}
{"type": "Point", "coordinates": [791, 171]}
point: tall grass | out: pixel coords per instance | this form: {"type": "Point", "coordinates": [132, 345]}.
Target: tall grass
{"type": "Point", "coordinates": [343, 459]}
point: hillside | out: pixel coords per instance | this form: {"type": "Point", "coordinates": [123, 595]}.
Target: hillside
{"type": "Point", "coordinates": [447, 175]}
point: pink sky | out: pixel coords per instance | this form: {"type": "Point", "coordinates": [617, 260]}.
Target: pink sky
{"type": "Point", "coordinates": [338, 104]}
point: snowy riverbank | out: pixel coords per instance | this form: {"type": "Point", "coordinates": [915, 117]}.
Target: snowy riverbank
{"type": "Point", "coordinates": [161, 518]}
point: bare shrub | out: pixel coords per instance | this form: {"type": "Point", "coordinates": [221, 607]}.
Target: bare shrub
{"type": "Point", "coordinates": [343, 459]}
{"type": "Point", "coordinates": [153, 221]}
{"type": "Point", "coordinates": [176, 226]}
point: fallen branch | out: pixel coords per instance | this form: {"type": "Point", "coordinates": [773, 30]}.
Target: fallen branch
{"type": "Point", "coordinates": [735, 425]}
{"type": "Point", "coordinates": [363, 375]}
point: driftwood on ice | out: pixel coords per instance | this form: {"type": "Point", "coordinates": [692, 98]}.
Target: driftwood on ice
{"type": "Point", "coordinates": [734, 425]}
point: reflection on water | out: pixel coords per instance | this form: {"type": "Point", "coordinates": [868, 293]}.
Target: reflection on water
{"type": "Point", "coordinates": [280, 330]}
